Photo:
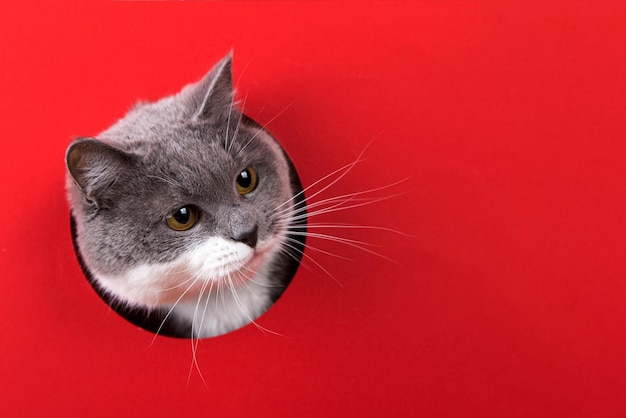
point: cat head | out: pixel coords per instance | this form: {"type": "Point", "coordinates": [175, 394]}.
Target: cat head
{"type": "Point", "coordinates": [181, 194]}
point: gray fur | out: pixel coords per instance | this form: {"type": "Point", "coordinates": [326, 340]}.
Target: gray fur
{"type": "Point", "coordinates": [181, 150]}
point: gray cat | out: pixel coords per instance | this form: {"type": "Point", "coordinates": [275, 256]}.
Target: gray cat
{"type": "Point", "coordinates": [188, 218]}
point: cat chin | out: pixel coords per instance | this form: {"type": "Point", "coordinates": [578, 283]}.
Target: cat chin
{"type": "Point", "coordinates": [216, 265]}
{"type": "Point", "coordinates": [219, 312]}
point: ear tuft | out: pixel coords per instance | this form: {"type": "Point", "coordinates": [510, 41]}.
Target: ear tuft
{"type": "Point", "coordinates": [213, 96]}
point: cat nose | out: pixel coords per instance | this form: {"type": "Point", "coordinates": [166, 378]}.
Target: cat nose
{"type": "Point", "coordinates": [247, 236]}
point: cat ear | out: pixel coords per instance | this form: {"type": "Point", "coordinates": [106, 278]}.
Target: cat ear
{"type": "Point", "coordinates": [213, 95]}
{"type": "Point", "coordinates": [95, 166]}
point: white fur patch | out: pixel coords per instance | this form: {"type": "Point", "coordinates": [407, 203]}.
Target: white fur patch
{"type": "Point", "coordinates": [218, 286]}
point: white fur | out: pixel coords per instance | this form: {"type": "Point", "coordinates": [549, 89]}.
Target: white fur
{"type": "Point", "coordinates": [218, 286]}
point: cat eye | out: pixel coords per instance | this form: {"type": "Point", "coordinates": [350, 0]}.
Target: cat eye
{"type": "Point", "coordinates": [183, 218]}
{"type": "Point", "coordinates": [247, 181]}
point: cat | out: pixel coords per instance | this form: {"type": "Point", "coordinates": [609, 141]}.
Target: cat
{"type": "Point", "coordinates": [187, 217]}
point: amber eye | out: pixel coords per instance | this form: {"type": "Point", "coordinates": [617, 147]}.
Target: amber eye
{"type": "Point", "coordinates": [183, 218]}
{"type": "Point", "coordinates": [246, 181]}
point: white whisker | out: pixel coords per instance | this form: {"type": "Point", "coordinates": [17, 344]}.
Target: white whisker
{"type": "Point", "coordinates": [350, 226]}
{"type": "Point", "coordinates": [308, 257]}
{"type": "Point", "coordinates": [262, 129]}
{"type": "Point", "coordinates": [338, 200]}
{"type": "Point", "coordinates": [346, 169]}
{"type": "Point", "coordinates": [356, 244]}
{"type": "Point", "coordinates": [246, 312]}
{"type": "Point", "coordinates": [228, 147]}
{"type": "Point", "coordinates": [317, 249]}
{"type": "Point", "coordinates": [167, 180]}
{"type": "Point", "coordinates": [342, 208]}
{"type": "Point", "coordinates": [232, 141]}
{"type": "Point", "coordinates": [195, 339]}
{"type": "Point", "coordinates": [230, 112]}
{"type": "Point", "coordinates": [169, 312]}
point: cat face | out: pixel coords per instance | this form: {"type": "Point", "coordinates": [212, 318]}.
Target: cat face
{"type": "Point", "coordinates": [180, 196]}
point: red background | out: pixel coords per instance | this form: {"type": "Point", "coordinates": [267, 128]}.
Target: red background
{"type": "Point", "coordinates": [508, 299]}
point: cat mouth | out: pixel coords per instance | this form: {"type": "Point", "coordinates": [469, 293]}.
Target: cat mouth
{"type": "Point", "coordinates": [217, 263]}
{"type": "Point", "coordinates": [237, 272]}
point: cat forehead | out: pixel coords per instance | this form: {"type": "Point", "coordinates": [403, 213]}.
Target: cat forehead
{"type": "Point", "coordinates": [166, 122]}
{"type": "Point", "coordinates": [190, 151]}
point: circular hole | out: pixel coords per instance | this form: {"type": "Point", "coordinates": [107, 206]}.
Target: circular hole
{"type": "Point", "coordinates": [284, 264]}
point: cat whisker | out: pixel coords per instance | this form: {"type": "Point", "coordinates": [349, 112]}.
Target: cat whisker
{"type": "Point", "coordinates": [262, 129]}
{"type": "Point", "coordinates": [234, 105]}
{"type": "Point", "coordinates": [352, 243]}
{"type": "Point", "coordinates": [245, 279]}
{"type": "Point", "coordinates": [325, 206]}
{"type": "Point", "coordinates": [230, 112]}
{"type": "Point", "coordinates": [346, 168]}
{"type": "Point", "coordinates": [167, 180]}
{"type": "Point", "coordinates": [287, 250]}
{"type": "Point", "coordinates": [319, 250]}
{"type": "Point", "coordinates": [347, 197]}
{"type": "Point", "coordinates": [195, 341]}
{"type": "Point", "coordinates": [245, 312]}
{"type": "Point", "coordinates": [342, 208]}
{"type": "Point", "coordinates": [350, 226]}
{"type": "Point", "coordinates": [180, 284]}
{"type": "Point", "coordinates": [334, 238]}
{"type": "Point", "coordinates": [197, 330]}
{"type": "Point", "coordinates": [250, 140]}
{"type": "Point", "coordinates": [206, 304]}
{"type": "Point", "coordinates": [195, 278]}
{"type": "Point", "coordinates": [232, 141]}
{"type": "Point", "coordinates": [232, 288]}
{"type": "Point", "coordinates": [308, 257]}
{"type": "Point", "coordinates": [220, 287]}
